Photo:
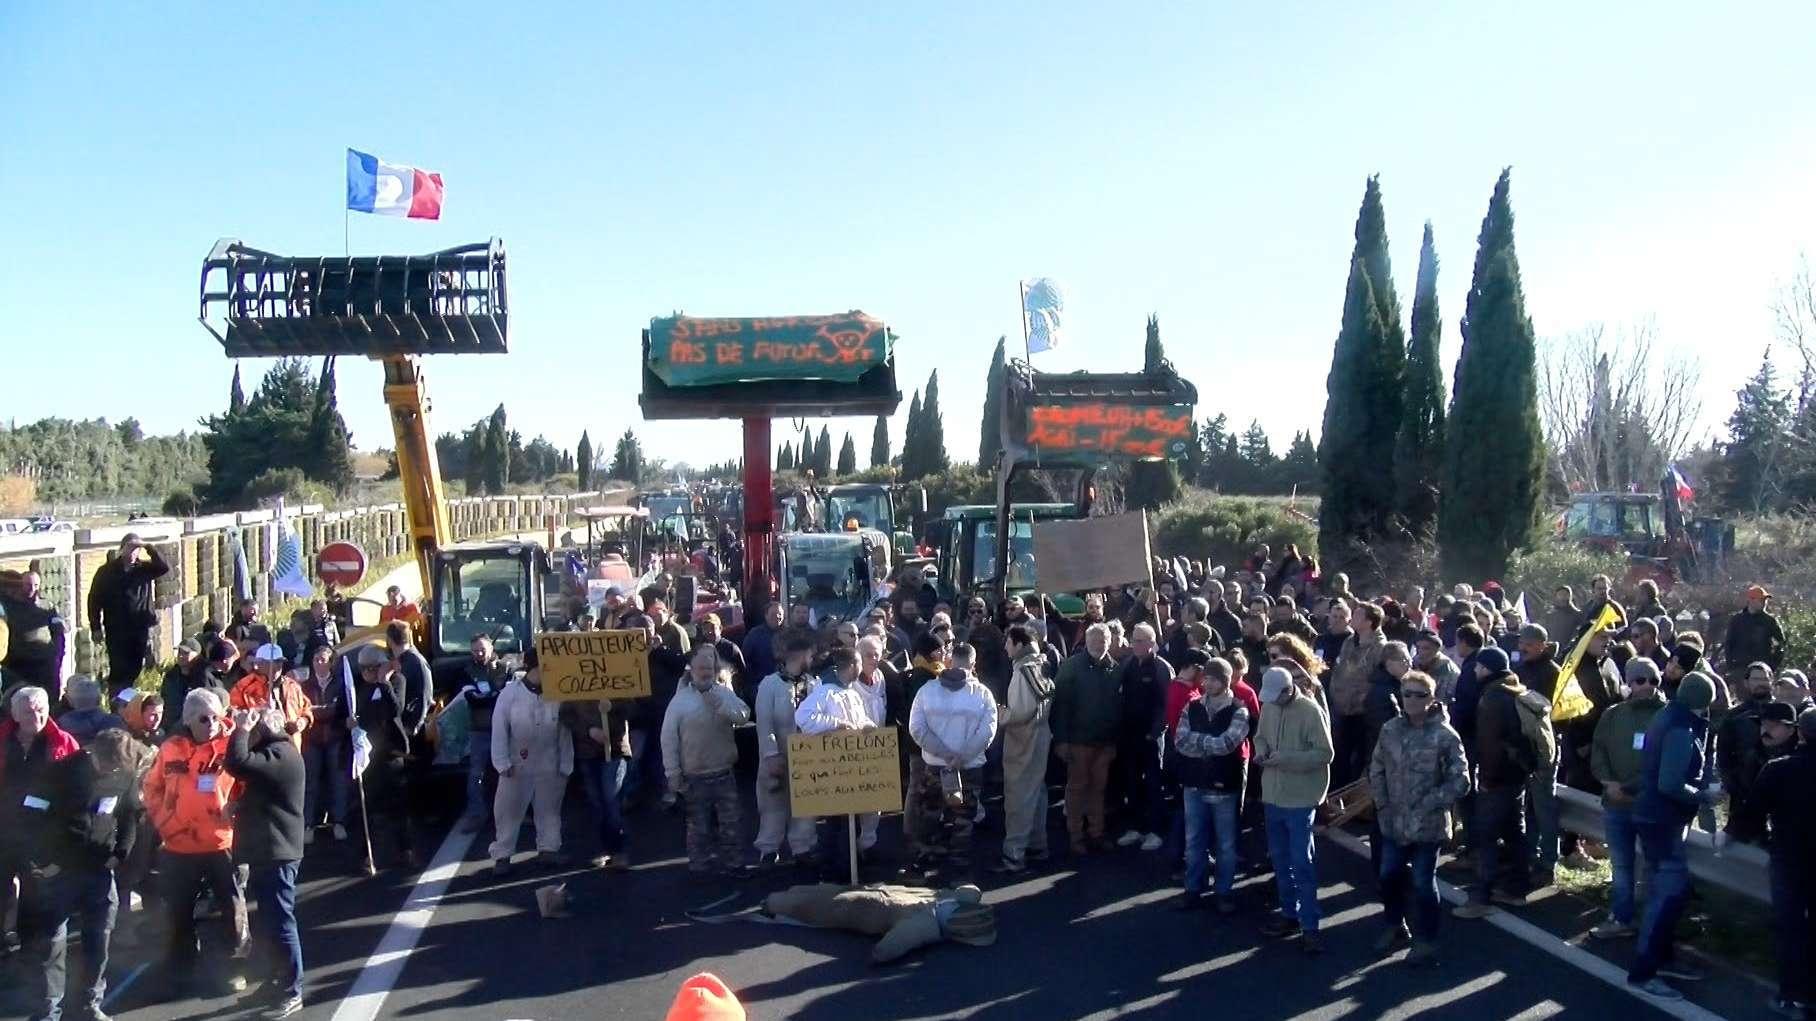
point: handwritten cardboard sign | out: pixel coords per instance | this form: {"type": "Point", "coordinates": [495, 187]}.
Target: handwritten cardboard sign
{"type": "Point", "coordinates": [1109, 429]}
{"type": "Point", "coordinates": [580, 665]}
{"type": "Point", "coordinates": [686, 351]}
{"type": "Point", "coordinates": [844, 773]}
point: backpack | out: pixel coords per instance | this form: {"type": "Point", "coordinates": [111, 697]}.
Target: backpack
{"type": "Point", "coordinates": [1534, 711]}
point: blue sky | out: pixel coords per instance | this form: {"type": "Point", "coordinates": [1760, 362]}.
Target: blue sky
{"type": "Point", "coordinates": [1200, 162]}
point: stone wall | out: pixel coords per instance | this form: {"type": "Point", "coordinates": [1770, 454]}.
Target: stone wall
{"type": "Point", "coordinates": [199, 550]}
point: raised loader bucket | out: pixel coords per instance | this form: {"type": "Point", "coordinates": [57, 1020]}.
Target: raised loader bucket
{"type": "Point", "coordinates": [262, 305]}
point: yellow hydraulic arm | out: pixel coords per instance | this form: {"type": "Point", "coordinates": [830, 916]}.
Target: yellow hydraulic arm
{"type": "Point", "coordinates": [417, 466]}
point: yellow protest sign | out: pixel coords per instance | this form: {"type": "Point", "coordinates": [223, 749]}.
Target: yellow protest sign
{"type": "Point", "coordinates": [1570, 702]}
{"type": "Point", "coordinates": [844, 773]}
{"type": "Point", "coordinates": [580, 665]}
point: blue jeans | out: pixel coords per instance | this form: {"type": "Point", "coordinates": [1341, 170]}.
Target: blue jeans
{"type": "Point", "coordinates": [1207, 810]}
{"type": "Point", "coordinates": [1663, 844]}
{"type": "Point", "coordinates": [603, 781]}
{"type": "Point", "coordinates": [479, 762]}
{"type": "Point", "coordinates": [1541, 812]}
{"type": "Point", "coordinates": [1289, 844]}
{"type": "Point", "coordinates": [1623, 855]}
{"type": "Point", "coordinates": [46, 907]}
{"type": "Point", "coordinates": [273, 887]}
{"type": "Point", "coordinates": [645, 776]}
{"type": "Point", "coordinates": [1411, 869]}
{"type": "Point", "coordinates": [326, 769]}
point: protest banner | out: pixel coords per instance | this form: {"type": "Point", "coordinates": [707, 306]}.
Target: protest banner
{"type": "Point", "coordinates": [1093, 553]}
{"type": "Point", "coordinates": [579, 665]}
{"type": "Point", "coordinates": [844, 772]}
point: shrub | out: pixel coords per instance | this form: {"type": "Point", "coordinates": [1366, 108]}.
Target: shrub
{"type": "Point", "coordinates": [1540, 570]}
{"type": "Point", "coordinates": [288, 483]}
{"type": "Point", "coordinates": [182, 503]}
{"type": "Point", "coordinates": [1224, 529]}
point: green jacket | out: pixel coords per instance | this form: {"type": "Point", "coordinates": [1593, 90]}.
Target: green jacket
{"type": "Point", "coordinates": [1087, 701]}
{"type": "Point", "coordinates": [1618, 752]}
{"type": "Point", "coordinates": [1293, 748]}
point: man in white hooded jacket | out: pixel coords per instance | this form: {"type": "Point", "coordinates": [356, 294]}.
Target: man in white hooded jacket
{"type": "Point", "coordinates": [533, 754]}
{"type": "Point", "coordinates": [953, 721]}
{"type": "Point", "coordinates": [1026, 740]}
{"type": "Point", "coordinates": [777, 698]}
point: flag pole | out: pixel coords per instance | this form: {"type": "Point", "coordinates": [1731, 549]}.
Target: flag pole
{"type": "Point", "coordinates": [1022, 287]}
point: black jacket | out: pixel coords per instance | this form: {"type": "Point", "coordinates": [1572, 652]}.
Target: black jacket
{"type": "Point", "coordinates": [120, 597]}
{"type": "Point", "coordinates": [1540, 672]}
{"type": "Point", "coordinates": [38, 639]}
{"type": "Point", "coordinates": [1503, 755]}
{"type": "Point", "coordinates": [1786, 790]}
{"type": "Point", "coordinates": [1754, 638]}
{"type": "Point", "coordinates": [1144, 697]}
{"type": "Point", "coordinates": [268, 825]}
{"type": "Point", "coordinates": [1227, 625]}
{"type": "Point", "coordinates": [417, 684]}
{"type": "Point", "coordinates": [97, 817]}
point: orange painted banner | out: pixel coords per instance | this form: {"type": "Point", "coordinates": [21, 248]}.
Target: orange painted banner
{"type": "Point", "coordinates": [1109, 429]}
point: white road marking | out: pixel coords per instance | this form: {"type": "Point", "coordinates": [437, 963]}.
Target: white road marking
{"type": "Point", "coordinates": [1532, 935]}
{"type": "Point", "coordinates": [382, 970]}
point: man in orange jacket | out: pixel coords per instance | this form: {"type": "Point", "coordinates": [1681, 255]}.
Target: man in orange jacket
{"type": "Point", "coordinates": [186, 795]}
{"type": "Point", "coordinates": [267, 686]}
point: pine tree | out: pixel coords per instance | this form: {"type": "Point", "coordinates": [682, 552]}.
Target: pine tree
{"type": "Point", "coordinates": [497, 453]}
{"type": "Point", "coordinates": [911, 466]}
{"type": "Point", "coordinates": [848, 457]}
{"type": "Point", "coordinates": [1299, 468]}
{"type": "Point", "coordinates": [583, 462]}
{"type": "Point", "coordinates": [236, 394]}
{"type": "Point", "coordinates": [1489, 501]}
{"type": "Point", "coordinates": [933, 430]}
{"type": "Point", "coordinates": [1362, 406]}
{"type": "Point", "coordinates": [1750, 472]}
{"type": "Point", "coordinates": [822, 454]}
{"type": "Point", "coordinates": [990, 443]}
{"type": "Point", "coordinates": [879, 443]}
{"type": "Point", "coordinates": [627, 459]}
{"type": "Point", "coordinates": [1151, 484]}
{"type": "Point", "coordinates": [1419, 448]}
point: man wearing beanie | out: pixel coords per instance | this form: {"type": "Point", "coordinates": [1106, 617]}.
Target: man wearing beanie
{"type": "Point", "coordinates": [1615, 758]}
{"type": "Point", "coordinates": [1786, 790]}
{"type": "Point", "coordinates": [1293, 751]}
{"type": "Point", "coordinates": [1505, 761]}
{"type": "Point", "coordinates": [1675, 775]}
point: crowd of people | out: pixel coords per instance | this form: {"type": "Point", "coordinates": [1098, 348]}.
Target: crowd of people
{"type": "Point", "coordinates": [1207, 719]}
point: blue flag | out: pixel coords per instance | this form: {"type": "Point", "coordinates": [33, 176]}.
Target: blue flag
{"type": "Point", "coordinates": [1043, 310]}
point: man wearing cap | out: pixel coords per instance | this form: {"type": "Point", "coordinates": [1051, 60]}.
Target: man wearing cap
{"type": "Point", "coordinates": [1208, 754]}
{"type": "Point", "coordinates": [1739, 748]}
{"type": "Point", "coordinates": [1786, 792]}
{"type": "Point", "coordinates": [1292, 748]}
{"type": "Point", "coordinates": [1505, 763]}
{"type": "Point", "coordinates": [120, 608]}
{"type": "Point", "coordinates": [1754, 634]}
{"type": "Point", "coordinates": [1676, 785]}
{"type": "Point", "coordinates": [267, 686]}
{"type": "Point", "coordinates": [1615, 759]}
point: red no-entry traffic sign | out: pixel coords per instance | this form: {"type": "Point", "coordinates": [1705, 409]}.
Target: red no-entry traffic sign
{"type": "Point", "coordinates": [342, 563]}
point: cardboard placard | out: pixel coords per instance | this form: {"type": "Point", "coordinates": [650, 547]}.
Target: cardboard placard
{"type": "Point", "coordinates": [844, 773]}
{"type": "Point", "coordinates": [581, 665]}
{"type": "Point", "coordinates": [1093, 553]}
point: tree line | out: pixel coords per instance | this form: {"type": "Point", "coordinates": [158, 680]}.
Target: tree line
{"type": "Point", "coordinates": [60, 459]}
{"type": "Point", "coordinates": [489, 456]}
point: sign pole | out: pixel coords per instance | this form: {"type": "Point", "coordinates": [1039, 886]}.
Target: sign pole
{"type": "Point", "coordinates": [1022, 287]}
{"type": "Point", "coordinates": [851, 830]}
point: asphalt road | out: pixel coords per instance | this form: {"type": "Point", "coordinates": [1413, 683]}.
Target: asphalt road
{"type": "Point", "coordinates": [1093, 942]}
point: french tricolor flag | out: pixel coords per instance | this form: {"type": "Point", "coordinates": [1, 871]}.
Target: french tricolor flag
{"type": "Point", "coordinates": [391, 189]}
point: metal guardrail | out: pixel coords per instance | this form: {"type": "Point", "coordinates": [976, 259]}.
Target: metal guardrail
{"type": "Point", "coordinates": [1740, 868]}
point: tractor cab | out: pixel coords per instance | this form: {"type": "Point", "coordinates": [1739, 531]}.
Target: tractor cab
{"type": "Point", "coordinates": [966, 548]}
{"type": "Point", "coordinates": [485, 588]}
{"type": "Point", "coordinates": [836, 574]}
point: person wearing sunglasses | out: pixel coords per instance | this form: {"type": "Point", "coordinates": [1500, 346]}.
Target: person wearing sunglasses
{"type": "Point", "coordinates": [1617, 758]}
{"type": "Point", "coordinates": [1417, 774]}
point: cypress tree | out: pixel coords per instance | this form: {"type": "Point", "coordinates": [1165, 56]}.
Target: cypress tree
{"type": "Point", "coordinates": [848, 457]}
{"type": "Point", "coordinates": [911, 465]}
{"type": "Point", "coordinates": [583, 462]}
{"type": "Point", "coordinates": [329, 450]}
{"type": "Point", "coordinates": [1151, 484]}
{"type": "Point", "coordinates": [990, 442]}
{"type": "Point", "coordinates": [1489, 502]}
{"type": "Point", "coordinates": [822, 454]}
{"type": "Point", "coordinates": [1749, 473]}
{"type": "Point", "coordinates": [785, 461]}
{"type": "Point", "coordinates": [236, 394]}
{"type": "Point", "coordinates": [933, 430]}
{"type": "Point", "coordinates": [497, 453]}
{"type": "Point", "coordinates": [1419, 449]}
{"type": "Point", "coordinates": [879, 443]}
{"type": "Point", "coordinates": [1362, 408]}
